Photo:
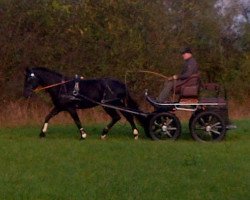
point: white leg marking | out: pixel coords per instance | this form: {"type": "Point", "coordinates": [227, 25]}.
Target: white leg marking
{"type": "Point", "coordinates": [136, 134]}
{"type": "Point", "coordinates": [45, 127]}
{"type": "Point", "coordinates": [84, 135]}
{"type": "Point", "coordinates": [103, 137]}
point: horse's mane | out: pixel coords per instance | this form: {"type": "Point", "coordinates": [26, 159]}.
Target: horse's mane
{"type": "Point", "coordinates": [44, 69]}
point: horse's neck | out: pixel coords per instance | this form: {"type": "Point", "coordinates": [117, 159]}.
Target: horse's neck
{"type": "Point", "coordinates": [49, 79]}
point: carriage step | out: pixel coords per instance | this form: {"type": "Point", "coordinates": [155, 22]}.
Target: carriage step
{"type": "Point", "coordinates": [231, 126]}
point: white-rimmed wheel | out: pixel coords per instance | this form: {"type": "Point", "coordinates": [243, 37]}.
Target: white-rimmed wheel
{"type": "Point", "coordinates": [208, 126]}
{"type": "Point", "coordinates": [164, 126]}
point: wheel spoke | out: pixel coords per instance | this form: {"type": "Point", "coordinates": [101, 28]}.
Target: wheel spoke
{"type": "Point", "coordinates": [200, 128]}
{"type": "Point", "coordinates": [169, 121]}
{"type": "Point", "coordinates": [210, 118]}
{"type": "Point", "coordinates": [202, 121]}
{"type": "Point", "coordinates": [167, 133]}
{"type": "Point", "coordinates": [158, 124]}
{"type": "Point", "coordinates": [163, 119]}
{"type": "Point", "coordinates": [204, 135]}
{"type": "Point", "coordinates": [215, 125]}
{"type": "Point", "coordinates": [171, 128]}
{"type": "Point", "coordinates": [216, 132]}
{"type": "Point", "coordinates": [207, 133]}
{"type": "Point", "coordinates": [157, 131]}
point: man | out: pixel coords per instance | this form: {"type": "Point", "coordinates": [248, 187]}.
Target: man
{"type": "Point", "coordinates": [190, 67]}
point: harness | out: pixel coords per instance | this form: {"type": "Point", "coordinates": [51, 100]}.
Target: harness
{"type": "Point", "coordinates": [106, 92]}
{"type": "Point", "coordinates": [76, 87]}
{"type": "Point", "coordinates": [62, 83]}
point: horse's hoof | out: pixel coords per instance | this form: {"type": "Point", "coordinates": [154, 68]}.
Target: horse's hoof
{"type": "Point", "coordinates": [136, 134]}
{"type": "Point", "coordinates": [136, 137]}
{"type": "Point", "coordinates": [42, 135]}
{"type": "Point", "coordinates": [105, 131]}
{"type": "Point", "coordinates": [83, 136]}
{"type": "Point", "coordinates": [103, 137]}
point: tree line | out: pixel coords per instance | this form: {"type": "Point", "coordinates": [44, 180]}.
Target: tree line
{"type": "Point", "coordinates": [99, 38]}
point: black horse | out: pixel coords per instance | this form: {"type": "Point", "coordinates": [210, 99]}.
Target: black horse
{"type": "Point", "coordinates": [72, 94]}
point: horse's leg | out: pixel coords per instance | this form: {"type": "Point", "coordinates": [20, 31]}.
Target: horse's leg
{"type": "Point", "coordinates": [52, 113]}
{"type": "Point", "coordinates": [77, 121]}
{"type": "Point", "coordinates": [115, 118]}
{"type": "Point", "coordinates": [130, 119]}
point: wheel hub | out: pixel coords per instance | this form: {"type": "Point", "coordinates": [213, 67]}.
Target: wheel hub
{"type": "Point", "coordinates": [164, 128]}
{"type": "Point", "coordinates": [208, 128]}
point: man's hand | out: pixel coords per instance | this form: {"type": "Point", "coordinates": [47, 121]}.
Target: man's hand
{"type": "Point", "coordinates": [174, 77]}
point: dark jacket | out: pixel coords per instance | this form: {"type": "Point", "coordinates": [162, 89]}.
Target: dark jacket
{"type": "Point", "coordinates": [190, 67]}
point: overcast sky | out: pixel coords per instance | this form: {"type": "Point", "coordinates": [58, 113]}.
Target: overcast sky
{"type": "Point", "coordinates": [245, 4]}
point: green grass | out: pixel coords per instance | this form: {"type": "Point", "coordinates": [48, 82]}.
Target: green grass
{"type": "Point", "coordinates": [62, 167]}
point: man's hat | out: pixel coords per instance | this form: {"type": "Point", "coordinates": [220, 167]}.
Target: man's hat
{"type": "Point", "coordinates": [186, 50]}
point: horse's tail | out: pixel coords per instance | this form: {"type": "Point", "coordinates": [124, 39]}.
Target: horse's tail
{"type": "Point", "coordinates": [132, 104]}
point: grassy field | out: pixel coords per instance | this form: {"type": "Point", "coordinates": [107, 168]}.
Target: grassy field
{"type": "Point", "coordinates": [62, 167]}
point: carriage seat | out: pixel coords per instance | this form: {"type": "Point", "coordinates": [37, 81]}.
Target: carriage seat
{"type": "Point", "coordinates": [190, 87]}
{"type": "Point", "coordinates": [211, 86]}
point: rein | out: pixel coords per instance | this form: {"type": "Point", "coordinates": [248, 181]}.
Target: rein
{"type": "Point", "coordinates": [51, 86]}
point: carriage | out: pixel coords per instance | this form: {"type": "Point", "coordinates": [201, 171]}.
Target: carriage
{"type": "Point", "coordinates": [209, 120]}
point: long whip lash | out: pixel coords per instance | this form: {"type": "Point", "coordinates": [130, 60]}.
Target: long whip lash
{"type": "Point", "coordinates": [145, 72]}
{"type": "Point", "coordinates": [154, 73]}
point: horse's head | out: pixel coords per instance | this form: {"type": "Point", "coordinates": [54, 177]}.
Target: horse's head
{"type": "Point", "coordinates": [31, 82]}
